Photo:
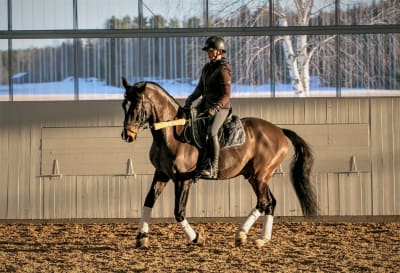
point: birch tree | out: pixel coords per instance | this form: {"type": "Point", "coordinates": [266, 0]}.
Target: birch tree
{"type": "Point", "coordinates": [298, 50]}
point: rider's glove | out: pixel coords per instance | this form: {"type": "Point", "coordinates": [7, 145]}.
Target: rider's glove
{"type": "Point", "coordinates": [213, 110]}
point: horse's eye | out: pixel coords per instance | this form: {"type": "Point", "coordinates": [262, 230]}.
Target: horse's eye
{"type": "Point", "coordinates": [126, 105]}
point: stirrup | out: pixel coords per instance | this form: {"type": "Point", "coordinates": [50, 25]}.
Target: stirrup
{"type": "Point", "coordinates": [209, 173]}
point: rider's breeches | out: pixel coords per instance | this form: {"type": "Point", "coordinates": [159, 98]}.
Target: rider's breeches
{"type": "Point", "coordinates": [217, 122]}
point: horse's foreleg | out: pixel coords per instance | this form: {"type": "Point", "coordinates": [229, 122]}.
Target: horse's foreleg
{"type": "Point", "coordinates": [157, 186]}
{"type": "Point", "coordinates": [181, 196]}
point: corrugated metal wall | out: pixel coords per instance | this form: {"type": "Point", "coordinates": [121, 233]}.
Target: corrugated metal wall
{"type": "Point", "coordinates": [355, 142]}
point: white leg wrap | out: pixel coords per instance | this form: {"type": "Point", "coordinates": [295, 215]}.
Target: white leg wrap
{"type": "Point", "coordinates": [144, 221]}
{"type": "Point", "coordinates": [251, 219]}
{"type": "Point", "coordinates": [188, 230]}
{"type": "Point", "coordinates": [266, 232]}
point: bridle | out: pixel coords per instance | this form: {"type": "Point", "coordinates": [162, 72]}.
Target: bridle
{"type": "Point", "coordinates": [141, 120]}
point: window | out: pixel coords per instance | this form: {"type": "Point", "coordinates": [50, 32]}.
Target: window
{"type": "Point", "coordinates": [312, 72]}
{"type": "Point", "coordinates": [3, 15]}
{"type": "Point", "coordinates": [44, 14]}
{"type": "Point", "coordinates": [42, 70]}
{"type": "Point", "coordinates": [172, 62]}
{"type": "Point", "coordinates": [369, 65]}
{"type": "Point", "coordinates": [366, 12]}
{"type": "Point", "coordinates": [4, 85]}
{"type": "Point", "coordinates": [106, 14]}
{"type": "Point", "coordinates": [250, 59]}
{"type": "Point", "coordinates": [277, 48]}
{"type": "Point", "coordinates": [247, 13]}
{"type": "Point", "coordinates": [100, 64]}
{"type": "Point", "coordinates": [173, 13]}
{"type": "Point", "coordinates": [322, 12]}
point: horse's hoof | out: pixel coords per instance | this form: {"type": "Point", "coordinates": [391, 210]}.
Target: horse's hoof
{"type": "Point", "coordinates": [261, 242]}
{"type": "Point", "coordinates": [200, 239]}
{"type": "Point", "coordinates": [142, 241]}
{"type": "Point", "coordinates": [241, 239]}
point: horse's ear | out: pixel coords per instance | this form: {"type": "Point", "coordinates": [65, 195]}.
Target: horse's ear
{"type": "Point", "coordinates": [125, 82]}
{"type": "Point", "coordinates": [140, 86]}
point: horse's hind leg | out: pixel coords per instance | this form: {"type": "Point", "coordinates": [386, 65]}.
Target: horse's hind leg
{"type": "Point", "coordinates": [266, 231]}
{"type": "Point", "coordinates": [157, 186]}
{"type": "Point", "coordinates": [265, 204]}
{"type": "Point", "coordinates": [241, 236]}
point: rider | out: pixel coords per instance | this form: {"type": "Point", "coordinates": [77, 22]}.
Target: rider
{"type": "Point", "coordinates": [214, 87]}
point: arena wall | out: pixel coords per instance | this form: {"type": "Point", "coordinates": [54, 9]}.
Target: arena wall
{"type": "Point", "coordinates": [66, 160]}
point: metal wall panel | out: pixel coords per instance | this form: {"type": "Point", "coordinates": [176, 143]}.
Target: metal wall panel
{"type": "Point", "coordinates": [4, 155]}
{"type": "Point", "coordinates": [385, 131]}
{"type": "Point", "coordinates": [366, 127]}
{"type": "Point", "coordinates": [337, 148]}
{"type": "Point", "coordinates": [93, 151]}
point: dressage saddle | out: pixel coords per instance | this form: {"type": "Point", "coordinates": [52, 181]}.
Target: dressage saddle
{"type": "Point", "coordinates": [230, 134]}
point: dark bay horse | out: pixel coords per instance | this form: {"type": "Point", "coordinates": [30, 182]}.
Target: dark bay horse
{"type": "Point", "coordinates": [257, 159]}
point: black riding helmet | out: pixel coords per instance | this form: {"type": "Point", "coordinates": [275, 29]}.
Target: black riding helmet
{"type": "Point", "coordinates": [214, 42]}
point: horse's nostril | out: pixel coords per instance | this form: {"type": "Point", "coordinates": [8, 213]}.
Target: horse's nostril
{"type": "Point", "coordinates": [129, 139]}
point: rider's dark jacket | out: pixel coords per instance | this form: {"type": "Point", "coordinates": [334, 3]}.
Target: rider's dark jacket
{"type": "Point", "coordinates": [214, 85]}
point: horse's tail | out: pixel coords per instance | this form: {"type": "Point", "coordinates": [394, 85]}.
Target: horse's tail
{"type": "Point", "coordinates": [300, 173]}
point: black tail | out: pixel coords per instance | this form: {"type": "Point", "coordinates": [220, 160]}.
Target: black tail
{"type": "Point", "coordinates": [300, 173]}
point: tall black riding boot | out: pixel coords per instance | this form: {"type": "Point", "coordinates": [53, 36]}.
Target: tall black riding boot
{"type": "Point", "coordinates": [211, 171]}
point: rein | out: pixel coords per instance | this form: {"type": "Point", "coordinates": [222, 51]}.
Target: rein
{"type": "Point", "coordinates": [176, 122]}
{"type": "Point", "coordinates": [142, 115]}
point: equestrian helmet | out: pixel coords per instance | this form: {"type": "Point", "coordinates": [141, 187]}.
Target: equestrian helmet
{"type": "Point", "coordinates": [214, 42]}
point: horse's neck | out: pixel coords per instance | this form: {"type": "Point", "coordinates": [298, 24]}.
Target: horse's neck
{"type": "Point", "coordinates": [165, 107]}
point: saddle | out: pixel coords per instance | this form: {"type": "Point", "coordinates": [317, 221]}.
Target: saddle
{"type": "Point", "coordinates": [230, 134]}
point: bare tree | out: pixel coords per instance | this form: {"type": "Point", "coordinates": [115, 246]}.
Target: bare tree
{"type": "Point", "coordinates": [366, 60]}
{"type": "Point", "coordinates": [298, 50]}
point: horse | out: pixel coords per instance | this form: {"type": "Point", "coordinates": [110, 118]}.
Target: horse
{"type": "Point", "coordinates": [265, 147]}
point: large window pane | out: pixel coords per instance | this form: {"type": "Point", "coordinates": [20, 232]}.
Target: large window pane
{"type": "Point", "coordinates": [370, 65]}
{"type": "Point", "coordinates": [106, 14]}
{"type": "Point", "coordinates": [99, 67]}
{"type": "Point", "coordinates": [4, 90]}
{"type": "Point", "coordinates": [173, 13]}
{"type": "Point", "coordinates": [173, 62]}
{"type": "Point", "coordinates": [45, 14]}
{"type": "Point", "coordinates": [305, 66]}
{"type": "Point", "coordinates": [3, 15]}
{"type": "Point", "coordinates": [367, 12]}
{"type": "Point", "coordinates": [304, 13]}
{"type": "Point", "coordinates": [43, 70]}
{"type": "Point", "coordinates": [250, 59]}
{"type": "Point", "coordinates": [248, 13]}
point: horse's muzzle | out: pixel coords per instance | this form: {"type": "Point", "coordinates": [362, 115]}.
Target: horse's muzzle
{"type": "Point", "coordinates": [128, 135]}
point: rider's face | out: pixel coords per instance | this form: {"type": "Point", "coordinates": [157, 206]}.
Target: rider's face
{"type": "Point", "coordinates": [214, 54]}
